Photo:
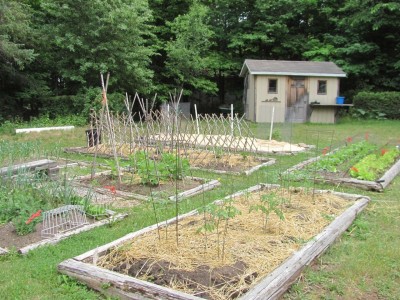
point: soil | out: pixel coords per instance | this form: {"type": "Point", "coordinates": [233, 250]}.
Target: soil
{"type": "Point", "coordinates": [9, 239]}
{"type": "Point", "coordinates": [132, 184]}
{"type": "Point", "coordinates": [245, 249]}
{"type": "Point", "coordinates": [199, 280]}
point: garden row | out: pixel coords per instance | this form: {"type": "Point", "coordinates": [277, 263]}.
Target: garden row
{"type": "Point", "coordinates": [213, 252]}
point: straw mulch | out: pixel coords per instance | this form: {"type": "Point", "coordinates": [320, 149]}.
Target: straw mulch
{"type": "Point", "coordinates": [249, 252]}
{"type": "Point", "coordinates": [197, 158]}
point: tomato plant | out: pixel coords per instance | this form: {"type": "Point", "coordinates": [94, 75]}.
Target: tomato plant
{"type": "Point", "coordinates": [152, 171]}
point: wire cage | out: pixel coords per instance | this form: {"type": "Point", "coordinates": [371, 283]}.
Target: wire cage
{"type": "Point", "coordinates": [62, 219]}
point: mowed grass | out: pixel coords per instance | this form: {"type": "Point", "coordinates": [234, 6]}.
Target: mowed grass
{"type": "Point", "coordinates": [363, 264]}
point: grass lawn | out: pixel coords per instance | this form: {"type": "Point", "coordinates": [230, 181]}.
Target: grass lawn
{"type": "Point", "coordinates": [363, 264]}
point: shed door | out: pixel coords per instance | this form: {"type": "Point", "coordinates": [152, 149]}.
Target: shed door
{"type": "Point", "coordinates": [297, 89]}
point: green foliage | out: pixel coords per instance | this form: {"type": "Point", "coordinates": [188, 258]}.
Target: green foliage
{"type": "Point", "coordinates": [371, 166]}
{"type": "Point", "coordinates": [13, 152]}
{"type": "Point", "coordinates": [116, 39]}
{"type": "Point", "coordinates": [92, 210]}
{"type": "Point", "coordinates": [187, 61]}
{"type": "Point", "coordinates": [153, 172]}
{"type": "Point", "coordinates": [20, 223]}
{"type": "Point", "coordinates": [17, 206]}
{"type": "Point", "coordinates": [270, 203]}
{"type": "Point", "coordinates": [214, 213]}
{"type": "Point", "coordinates": [350, 152]}
{"type": "Point", "coordinates": [375, 105]}
{"type": "Point", "coordinates": [219, 152]}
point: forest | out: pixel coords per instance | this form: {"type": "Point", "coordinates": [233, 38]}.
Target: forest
{"type": "Point", "coordinates": [52, 52]}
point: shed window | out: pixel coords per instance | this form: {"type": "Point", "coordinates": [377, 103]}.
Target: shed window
{"type": "Point", "coordinates": [272, 85]}
{"type": "Point", "coordinates": [322, 87]}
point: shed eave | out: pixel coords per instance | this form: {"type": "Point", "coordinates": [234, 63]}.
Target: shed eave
{"type": "Point", "coordinates": [244, 70]}
{"type": "Point", "coordinates": [297, 74]}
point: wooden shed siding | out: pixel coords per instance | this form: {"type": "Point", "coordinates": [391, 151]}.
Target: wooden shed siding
{"type": "Point", "coordinates": [332, 90]}
{"type": "Point", "coordinates": [264, 109]}
{"type": "Point", "coordinates": [322, 115]}
{"type": "Point", "coordinates": [250, 97]}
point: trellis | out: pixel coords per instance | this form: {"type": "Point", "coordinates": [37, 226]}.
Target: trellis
{"type": "Point", "coordinates": [164, 129]}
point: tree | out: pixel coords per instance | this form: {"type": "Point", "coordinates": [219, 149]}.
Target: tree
{"type": "Point", "coordinates": [187, 61]}
{"type": "Point", "coordinates": [15, 53]}
{"type": "Point", "coordinates": [82, 39]}
{"type": "Point", "coordinates": [364, 40]}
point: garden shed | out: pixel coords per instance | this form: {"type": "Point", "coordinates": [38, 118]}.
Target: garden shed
{"type": "Point", "coordinates": [297, 91]}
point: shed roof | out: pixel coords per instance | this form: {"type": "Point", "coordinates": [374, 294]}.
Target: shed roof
{"type": "Point", "coordinates": [292, 68]}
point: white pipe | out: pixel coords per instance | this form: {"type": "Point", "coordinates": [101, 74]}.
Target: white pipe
{"type": "Point", "coordinates": [197, 120]}
{"type": "Point", "coordinates": [26, 130]}
{"type": "Point", "coordinates": [272, 123]}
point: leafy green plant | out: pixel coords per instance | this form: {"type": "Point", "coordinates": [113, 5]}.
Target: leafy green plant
{"type": "Point", "coordinates": [147, 169]}
{"type": "Point", "coordinates": [372, 165]}
{"type": "Point", "coordinates": [114, 167]}
{"type": "Point", "coordinates": [214, 214]}
{"type": "Point", "coordinates": [269, 204]}
{"type": "Point", "coordinates": [218, 152]}
{"type": "Point", "coordinates": [22, 225]}
{"type": "Point", "coordinates": [360, 113]}
{"type": "Point", "coordinates": [244, 155]}
{"type": "Point", "coordinates": [169, 166]}
{"type": "Point", "coordinates": [92, 210]}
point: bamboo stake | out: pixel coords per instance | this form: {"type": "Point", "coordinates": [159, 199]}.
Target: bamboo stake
{"type": "Point", "coordinates": [105, 103]}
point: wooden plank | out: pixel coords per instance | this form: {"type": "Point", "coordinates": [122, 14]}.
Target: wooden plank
{"type": "Point", "coordinates": [255, 168]}
{"type": "Point", "coordinates": [29, 166]}
{"type": "Point", "coordinates": [390, 174]}
{"type": "Point", "coordinates": [197, 190]}
{"type": "Point", "coordinates": [277, 282]}
{"type": "Point", "coordinates": [119, 285]}
{"type": "Point", "coordinates": [363, 184]}
{"type": "Point", "coordinates": [271, 287]}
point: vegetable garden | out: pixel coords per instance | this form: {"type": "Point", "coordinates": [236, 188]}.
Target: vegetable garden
{"type": "Point", "coordinates": [234, 244]}
{"type": "Point", "coordinates": [284, 217]}
{"type": "Point", "coordinates": [362, 164]}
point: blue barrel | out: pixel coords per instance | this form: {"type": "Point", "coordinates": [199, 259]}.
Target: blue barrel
{"type": "Point", "coordinates": [339, 100]}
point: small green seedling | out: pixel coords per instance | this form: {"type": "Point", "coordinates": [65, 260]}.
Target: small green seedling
{"type": "Point", "coordinates": [269, 204]}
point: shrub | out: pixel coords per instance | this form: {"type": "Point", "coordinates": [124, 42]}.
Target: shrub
{"type": "Point", "coordinates": [377, 105]}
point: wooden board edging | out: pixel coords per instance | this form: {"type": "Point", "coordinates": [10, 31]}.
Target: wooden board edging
{"type": "Point", "coordinates": [271, 287]}
{"type": "Point", "coordinates": [377, 186]}
{"type": "Point", "coordinates": [390, 175]}
{"type": "Point", "coordinates": [197, 190]}
{"type": "Point", "coordinates": [277, 282]}
{"type": "Point", "coordinates": [119, 285]}
{"type": "Point", "coordinates": [250, 171]}
{"type": "Point", "coordinates": [205, 186]}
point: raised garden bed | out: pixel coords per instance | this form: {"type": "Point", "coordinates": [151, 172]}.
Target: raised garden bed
{"type": "Point", "coordinates": [9, 239]}
{"type": "Point", "coordinates": [246, 260]}
{"type": "Point", "coordinates": [362, 165]}
{"type": "Point", "coordinates": [221, 162]}
{"type": "Point", "coordinates": [36, 211]}
{"type": "Point", "coordinates": [131, 187]}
